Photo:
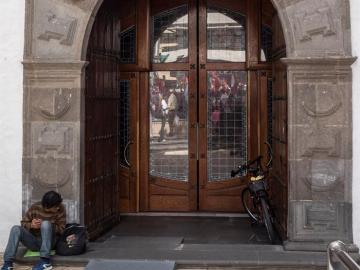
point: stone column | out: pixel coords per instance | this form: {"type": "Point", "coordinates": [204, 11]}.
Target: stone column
{"type": "Point", "coordinates": [52, 132]}
{"type": "Point", "coordinates": [320, 152]}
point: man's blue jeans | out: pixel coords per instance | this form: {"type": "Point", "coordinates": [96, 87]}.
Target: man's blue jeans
{"type": "Point", "coordinates": [20, 234]}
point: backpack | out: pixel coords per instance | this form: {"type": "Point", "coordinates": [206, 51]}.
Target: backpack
{"type": "Point", "coordinates": [73, 241]}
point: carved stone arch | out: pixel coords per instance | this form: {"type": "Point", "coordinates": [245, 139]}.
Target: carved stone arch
{"type": "Point", "coordinates": [318, 42]}
{"type": "Point", "coordinates": [283, 19]}
{"type": "Point", "coordinates": [97, 5]}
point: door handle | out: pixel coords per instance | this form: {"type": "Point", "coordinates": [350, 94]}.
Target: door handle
{"type": "Point", "coordinates": [125, 150]}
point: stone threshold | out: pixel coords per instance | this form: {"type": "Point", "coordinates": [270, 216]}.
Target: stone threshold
{"type": "Point", "coordinates": [202, 256]}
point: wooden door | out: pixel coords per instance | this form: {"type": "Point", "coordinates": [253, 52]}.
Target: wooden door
{"type": "Point", "coordinates": [279, 183]}
{"type": "Point", "coordinates": [207, 54]}
{"type": "Point", "coordinates": [171, 179]}
{"type": "Point", "coordinates": [101, 103]}
{"type": "Point", "coordinates": [225, 113]}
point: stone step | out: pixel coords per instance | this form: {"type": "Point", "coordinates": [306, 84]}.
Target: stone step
{"type": "Point", "coordinates": [130, 265]}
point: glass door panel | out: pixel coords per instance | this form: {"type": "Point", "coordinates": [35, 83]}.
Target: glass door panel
{"type": "Point", "coordinates": [170, 36]}
{"type": "Point", "coordinates": [169, 144]}
{"type": "Point", "coordinates": [227, 122]}
{"type": "Point", "coordinates": [225, 35]}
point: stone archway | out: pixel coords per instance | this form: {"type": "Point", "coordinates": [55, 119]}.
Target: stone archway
{"type": "Point", "coordinates": [319, 90]}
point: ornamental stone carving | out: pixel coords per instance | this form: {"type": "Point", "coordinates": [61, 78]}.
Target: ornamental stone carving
{"type": "Point", "coordinates": [51, 173]}
{"type": "Point", "coordinates": [318, 22]}
{"type": "Point", "coordinates": [56, 140]}
{"type": "Point", "coordinates": [62, 29]}
{"type": "Point", "coordinates": [321, 100]}
{"type": "Point", "coordinates": [54, 103]}
{"type": "Point", "coordinates": [85, 5]}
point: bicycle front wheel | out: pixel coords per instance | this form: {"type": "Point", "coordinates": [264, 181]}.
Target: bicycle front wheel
{"type": "Point", "coordinates": [267, 220]}
{"type": "Point", "coordinates": [250, 205]}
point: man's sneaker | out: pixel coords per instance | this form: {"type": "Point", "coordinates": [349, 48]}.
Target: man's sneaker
{"type": "Point", "coordinates": [43, 265]}
{"type": "Point", "coordinates": [7, 266]}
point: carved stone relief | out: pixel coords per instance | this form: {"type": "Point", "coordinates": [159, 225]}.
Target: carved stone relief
{"type": "Point", "coordinates": [51, 173]}
{"type": "Point", "coordinates": [62, 29]}
{"type": "Point", "coordinates": [54, 29]}
{"type": "Point", "coordinates": [53, 140]}
{"type": "Point", "coordinates": [322, 97]}
{"type": "Point", "coordinates": [320, 216]}
{"type": "Point", "coordinates": [53, 103]}
{"type": "Point", "coordinates": [318, 22]}
{"type": "Point", "coordinates": [322, 141]}
{"type": "Point", "coordinates": [321, 221]}
{"type": "Point", "coordinates": [85, 5]}
{"type": "Point", "coordinates": [317, 28]}
{"type": "Point", "coordinates": [325, 179]}
{"type": "Point", "coordinates": [286, 3]}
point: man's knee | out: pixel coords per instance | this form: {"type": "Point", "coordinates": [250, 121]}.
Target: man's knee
{"type": "Point", "coordinates": [46, 225]}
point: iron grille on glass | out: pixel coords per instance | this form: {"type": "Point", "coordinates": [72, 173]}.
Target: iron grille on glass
{"type": "Point", "coordinates": [170, 36]}
{"type": "Point", "coordinates": [227, 122]}
{"type": "Point", "coordinates": [225, 35]}
{"type": "Point", "coordinates": [169, 125]}
{"type": "Point", "coordinates": [123, 120]}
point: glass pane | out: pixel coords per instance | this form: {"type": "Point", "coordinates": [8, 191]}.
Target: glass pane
{"type": "Point", "coordinates": [124, 120]}
{"type": "Point", "coordinates": [128, 45]}
{"type": "Point", "coordinates": [170, 36]}
{"type": "Point", "coordinates": [169, 125]}
{"type": "Point", "coordinates": [225, 35]}
{"type": "Point", "coordinates": [266, 43]}
{"type": "Point", "coordinates": [227, 122]}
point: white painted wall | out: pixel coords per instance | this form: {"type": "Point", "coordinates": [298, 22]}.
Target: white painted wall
{"type": "Point", "coordinates": [355, 36]}
{"type": "Point", "coordinates": [11, 101]}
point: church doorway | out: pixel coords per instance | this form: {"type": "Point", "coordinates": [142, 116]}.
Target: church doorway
{"type": "Point", "coordinates": [178, 93]}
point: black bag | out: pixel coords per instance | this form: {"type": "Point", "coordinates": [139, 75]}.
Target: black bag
{"type": "Point", "coordinates": [73, 241]}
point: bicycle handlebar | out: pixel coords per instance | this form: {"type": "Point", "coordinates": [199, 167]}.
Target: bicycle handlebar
{"type": "Point", "coordinates": [245, 166]}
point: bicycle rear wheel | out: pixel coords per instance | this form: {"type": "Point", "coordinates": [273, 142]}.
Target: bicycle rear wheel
{"type": "Point", "coordinates": [250, 205]}
{"type": "Point", "coordinates": [268, 220]}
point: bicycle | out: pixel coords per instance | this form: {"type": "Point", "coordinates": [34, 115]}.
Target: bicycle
{"type": "Point", "coordinates": [255, 197]}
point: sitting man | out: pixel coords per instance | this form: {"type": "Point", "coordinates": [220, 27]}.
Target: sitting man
{"type": "Point", "coordinates": [42, 223]}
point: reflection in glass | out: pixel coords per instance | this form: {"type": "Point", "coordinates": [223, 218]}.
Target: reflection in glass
{"type": "Point", "coordinates": [170, 36]}
{"type": "Point", "coordinates": [227, 122]}
{"type": "Point", "coordinates": [225, 35]}
{"type": "Point", "coordinates": [123, 120]}
{"type": "Point", "coordinates": [266, 43]}
{"type": "Point", "coordinates": [169, 124]}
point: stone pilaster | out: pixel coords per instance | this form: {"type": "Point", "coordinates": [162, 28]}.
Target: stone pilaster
{"type": "Point", "coordinates": [52, 132]}
{"type": "Point", "coordinates": [320, 152]}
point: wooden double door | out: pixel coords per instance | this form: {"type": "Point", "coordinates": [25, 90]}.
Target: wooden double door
{"type": "Point", "coordinates": [207, 94]}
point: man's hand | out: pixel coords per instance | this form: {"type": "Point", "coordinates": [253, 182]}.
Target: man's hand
{"type": "Point", "coordinates": [36, 223]}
